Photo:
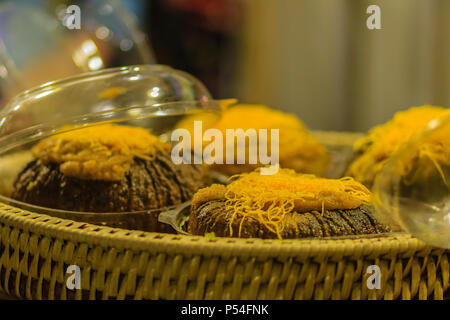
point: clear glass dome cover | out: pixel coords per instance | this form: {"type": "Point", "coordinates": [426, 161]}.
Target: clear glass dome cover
{"type": "Point", "coordinates": [91, 97]}
{"type": "Point", "coordinates": [154, 97]}
{"type": "Point", "coordinates": [413, 190]}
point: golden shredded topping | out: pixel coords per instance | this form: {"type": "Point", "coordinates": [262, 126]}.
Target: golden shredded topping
{"type": "Point", "coordinates": [384, 140]}
{"type": "Point", "coordinates": [425, 156]}
{"type": "Point", "coordinates": [213, 192]}
{"type": "Point", "coordinates": [298, 149]}
{"type": "Point", "coordinates": [269, 198]}
{"type": "Point", "coordinates": [102, 152]}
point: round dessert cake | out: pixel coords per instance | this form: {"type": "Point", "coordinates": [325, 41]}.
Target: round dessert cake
{"type": "Point", "coordinates": [105, 168]}
{"type": "Point", "coordinates": [284, 205]}
{"type": "Point", "coordinates": [298, 149]}
{"type": "Point", "coordinates": [373, 150]}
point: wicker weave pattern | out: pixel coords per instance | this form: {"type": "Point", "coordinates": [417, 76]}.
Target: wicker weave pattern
{"type": "Point", "coordinates": [35, 251]}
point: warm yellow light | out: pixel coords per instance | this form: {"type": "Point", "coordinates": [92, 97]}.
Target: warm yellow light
{"type": "Point", "coordinates": [88, 47]}
{"type": "Point", "coordinates": [95, 63]}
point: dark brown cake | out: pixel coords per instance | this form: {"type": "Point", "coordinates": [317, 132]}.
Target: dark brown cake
{"type": "Point", "coordinates": [212, 216]}
{"type": "Point", "coordinates": [106, 168]}
{"type": "Point", "coordinates": [285, 205]}
{"type": "Point", "coordinates": [147, 185]}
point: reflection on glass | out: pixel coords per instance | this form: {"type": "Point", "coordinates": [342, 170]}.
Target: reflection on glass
{"type": "Point", "coordinates": [36, 46]}
{"type": "Point", "coordinates": [413, 189]}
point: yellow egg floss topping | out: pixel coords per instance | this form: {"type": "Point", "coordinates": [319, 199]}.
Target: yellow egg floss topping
{"type": "Point", "coordinates": [101, 152]}
{"type": "Point", "coordinates": [269, 198]}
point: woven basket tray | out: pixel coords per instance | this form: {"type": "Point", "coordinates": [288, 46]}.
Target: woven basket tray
{"type": "Point", "coordinates": [36, 250]}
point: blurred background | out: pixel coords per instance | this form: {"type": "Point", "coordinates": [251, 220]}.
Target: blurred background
{"type": "Point", "coordinates": [316, 59]}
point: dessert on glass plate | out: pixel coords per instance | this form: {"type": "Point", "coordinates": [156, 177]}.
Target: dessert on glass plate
{"type": "Point", "coordinates": [285, 205]}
